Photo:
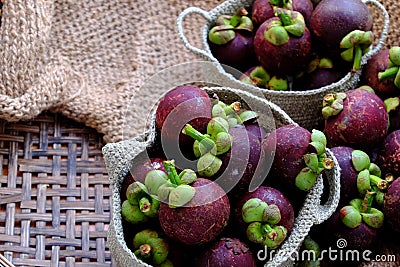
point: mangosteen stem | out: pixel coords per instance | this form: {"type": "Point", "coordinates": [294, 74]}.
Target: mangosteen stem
{"type": "Point", "coordinates": [169, 166]}
{"type": "Point", "coordinates": [357, 58]}
{"type": "Point", "coordinates": [388, 73]}
{"type": "Point", "coordinates": [145, 250]}
{"type": "Point", "coordinates": [206, 141]}
{"type": "Point", "coordinates": [380, 183]}
{"type": "Point", "coordinates": [367, 202]}
{"type": "Point", "coordinates": [144, 204]}
{"type": "Point", "coordinates": [232, 108]}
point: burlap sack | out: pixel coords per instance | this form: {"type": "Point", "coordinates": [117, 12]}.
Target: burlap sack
{"type": "Point", "coordinates": [87, 59]}
{"type": "Point", "coordinates": [119, 158]}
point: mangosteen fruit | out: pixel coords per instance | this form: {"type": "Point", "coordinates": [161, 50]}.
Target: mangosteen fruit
{"type": "Point", "coordinates": [265, 215]}
{"type": "Point", "coordinates": [391, 206]}
{"type": "Point", "coordinates": [265, 9]}
{"type": "Point", "coordinates": [256, 130]}
{"type": "Point", "coordinates": [150, 248]}
{"type": "Point", "coordinates": [259, 77]}
{"type": "Point", "coordinates": [389, 154]}
{"type": "Point", "coordinates": [319, 73]}
{"type": "Point", "coordinates": [231, 40]}
{"type": "Point", "coordinates": [299, 157]}
{"type": "Point", "coordinates": [358, 224]}
{"type": "Point", "coordinates": [226, 252]}
{"type": "Point", "coordinates": [199, 221]}
{"type": "Point", "coordinates": [356, 118]}
{"type": "Point", "coordinates": [393, 108]}
{"type": "Point", "coordinates": [179, 106]}
{"type": "Point", "coordinates": [283, 43]}
{"type": "Point", "coordinates": [377, 74]}
{"type": "Point", "coordinates": [332, 20]}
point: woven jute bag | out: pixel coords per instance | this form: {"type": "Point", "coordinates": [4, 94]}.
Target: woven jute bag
{"type": "Point", "coordinates": [120, 156]}
{"type": "Point", "coordinates": [301, 106]}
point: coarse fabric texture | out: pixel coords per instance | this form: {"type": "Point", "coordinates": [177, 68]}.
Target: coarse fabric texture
{"type": "Point", "coordinates": [119, 158]}
{"type": "Point", "coordinates": [88, 59]}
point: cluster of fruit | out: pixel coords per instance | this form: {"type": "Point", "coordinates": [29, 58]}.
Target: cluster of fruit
{"type": "Point", "coordinates": [206, 208]}
{"type": "Point", "coordinates": [296, 45]}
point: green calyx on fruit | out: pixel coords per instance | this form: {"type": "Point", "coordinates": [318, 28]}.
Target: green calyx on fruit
{"type": "Point", "coordinates": [177, 190]}
{"type": "Point", "coordinates": [261, 78]}
{"type": "Point", "coordinates": [316, 161]}
{"type": "Point", "coordinates": [263, 220]}
{"type": "Point", "coordinates": [139, 205]}
{"type": "Point", "coordinates": [356, 44]}
{"type": "Point", "coordinates": [224, 30]}
{"type": "Point", "coordinates": [150, 248]}
{"type": "Point", "coordinates": [281, 3]}
{"type": "Point", "coordinates": [361, 210]}
{"type": "Point", "coordinates": [278, 84]}
{"type": "Point", "coordinates": [208, 165]}
{"type": "Point", "coordinates": [393, 69]}
{"type": "Point", "coordinates": [319, 63]}
{"type": "Point", "coordinates": [256, 210]}
{"type": "Point", "coordinates": [205, 141]}
{"type": "Point", "coordinates": [391, 103]}
{"type": "Point", "coordinates": [265, 234]}
{"type": "Point", "coordinates": [332, 104]}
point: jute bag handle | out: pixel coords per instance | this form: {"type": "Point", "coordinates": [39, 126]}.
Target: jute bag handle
{"type": "Point", "coordinates": [31, 79]}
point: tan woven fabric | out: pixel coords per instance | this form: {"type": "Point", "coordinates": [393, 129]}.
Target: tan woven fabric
{"type": "Point", "coordinates": [87, 59]}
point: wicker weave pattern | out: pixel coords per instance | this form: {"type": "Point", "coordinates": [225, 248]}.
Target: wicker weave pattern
{"type": "Point", "coordinates": [54, 194]}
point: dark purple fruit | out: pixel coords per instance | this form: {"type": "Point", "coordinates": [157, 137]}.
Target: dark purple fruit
{"type": "Point", "coordinates": [361, 238]}
{"type": "Point", "coordinates": [348, 175]}
{"type": "Point", "coordinates": [320, 72]}
{"type": "Point", "coordinates": [360, 120]}
{"type": "Point", "coordinates": [389, 154]}
{"type": "Point", "coordinates": [231, 40]}
{"type": "Point", "coordinates": [243, 163]}
{"type": "Point", "coordinates": [179, 106]}
{"type": "Point", "coordinates": [370, 75]}
{"type": "Point", "coordinates": [270, 196]}
{"type": "Point", "coordinates": [264, 9]}
{"type": "Point", "coordinates": [332, 20]}
{"type": "Point", "coordinates": [391, 206]}
{"type": "Point", "coordinates": [138, 172]}
{"type": "Point", "coordinates": [226, 252]}
{"type": "Point", "coordinates": [256, 130]}
{"type": "Point", "coordinates": [202, 219]}
{"type": "Point", "coordinates": [283, 44]}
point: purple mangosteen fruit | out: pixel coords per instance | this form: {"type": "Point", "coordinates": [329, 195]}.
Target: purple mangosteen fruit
{"type": "Point", "coordinates": [256, 130]}
{"type": "Point", "coordinates": [199, 221]}
{"type": "Point", "coordinates": [231, 40]}
{"type": "Point", "coordinates": [259, 77]}
{"type": "Point", "coordinates": [283, 43]}
{"type": "Point", "coordinates": [356, 118]}
{"type": "Point", "coordinates": [320, 72]}
{"type": "Point", "coordinates": [226, 252]}
{"type": "Point", "coordinates": [358, 227]}
{"type": "Point", "coordinates": [393, 108]}
{"type": "Point", "coordinates": [263, 10]}
{"type": "Point", "coordinates": [299, 158]}
{"type": "Point", "coordinates": [391, 206]}
{"type": "Point", "coordinates": [389, 154]}
{"type": "Point", "coordinates": [332, 20]}
{"type": "Point", "coordinates": [264, 208]}
{"type": "Point", "coordinates": [378, 75]}
{"type": "Point", "coordinates": [179, 106]}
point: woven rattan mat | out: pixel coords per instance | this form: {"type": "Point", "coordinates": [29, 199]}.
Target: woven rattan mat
{"type": "Point", "coordinates": [54, 193]}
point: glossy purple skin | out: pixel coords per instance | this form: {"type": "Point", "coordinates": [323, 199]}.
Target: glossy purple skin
{"type": "Point", "coordinates": [197, 224]}
{"type": "Point", "coordinates": [317, 79]}
{"type": "Point", "coordinates": [181, 105]}
{"type": "Point", "coordinates": [269, 195]}
{"type": "Point", "coordinates": [138, 172]}
{"type": "Point", "coordinates": [286, 59]}
{"type": "Point", "coordinates": [362, 124]}
{"type": "Point", "coordinates": [263, 10]}
{"type": "Point", "coordinates": [378, 63]}
{"type": "Point", "coordinates": [226, 252]}
{"type": "Point", "coordinates": [389, 154]}
{"type": "Point", "coordinates": [345, 15]}
{"type": "Point", "coordinates": [257, 131]}
{"type": "Point", "coordinates": [361, 238]}
{"type": "Point", "coordinates": [348, 175]}
{"type": "Point", "coordinates": [238, 53]}
{"type": "Point", "coordinates": [290, 143]}
{"type": "Point", "coordinates": [391, 206]}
